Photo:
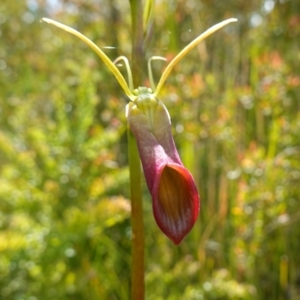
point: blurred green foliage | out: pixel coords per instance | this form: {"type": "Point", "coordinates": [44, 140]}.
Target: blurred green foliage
{"type": "Point", "coordinates": [234, 103]}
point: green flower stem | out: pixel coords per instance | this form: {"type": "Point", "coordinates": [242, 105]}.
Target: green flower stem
{"type": "Point", "coordinates": [137, 221]}
{"type": "Point", "coordinates": [137, 41]}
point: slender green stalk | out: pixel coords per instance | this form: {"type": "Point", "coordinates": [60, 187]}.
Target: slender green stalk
{"type": "Point", "coordinates": [137, 221]}
{"type": "Point", "coordinates": [137, 41]}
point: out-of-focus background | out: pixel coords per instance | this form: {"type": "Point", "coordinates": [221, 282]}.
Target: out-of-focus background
{"type": "Point", "coordinates": [64, 195]}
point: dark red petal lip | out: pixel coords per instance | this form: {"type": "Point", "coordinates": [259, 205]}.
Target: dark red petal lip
{"type": "Point", "coordinates": [175, 202]}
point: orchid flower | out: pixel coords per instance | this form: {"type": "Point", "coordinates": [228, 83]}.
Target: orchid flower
{"type": "Point", "coordinates": [175, 199]}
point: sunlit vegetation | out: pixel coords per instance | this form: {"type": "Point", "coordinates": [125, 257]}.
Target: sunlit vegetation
{"type": "Point", "coordinates": [64, 182]}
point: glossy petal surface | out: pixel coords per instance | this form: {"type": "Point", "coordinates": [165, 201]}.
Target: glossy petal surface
{"type": "Point", "coordinates": [175, 202]}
